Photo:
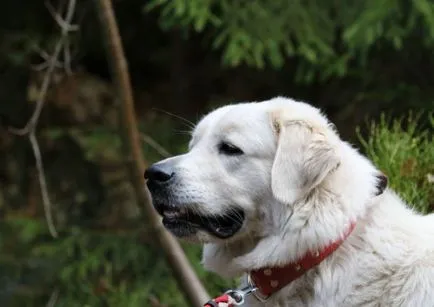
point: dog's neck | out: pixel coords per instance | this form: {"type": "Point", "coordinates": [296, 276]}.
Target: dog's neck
{"type": "Point", "coordinates": [309, 227]}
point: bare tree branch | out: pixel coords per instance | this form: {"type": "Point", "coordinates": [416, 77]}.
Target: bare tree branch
{"type": "Point", "coordinates": [158, 148]}
{"type": "Point", "coordinates": [47, 58]}
{"type": "Point", "coordinates": [155, 302]}
{"type": "Point", "coordinates": [64, 24]}
{"type": "Point", "coordinates": [67, 57]}
{"type": "Point", "coordinates": [43, 184]}
{"type": "Point", "coordinates": [50, 64]}
{"type": "Point", "coordinates": [184, 273]}
{"type": "Point", "coordinates": [53, 298]}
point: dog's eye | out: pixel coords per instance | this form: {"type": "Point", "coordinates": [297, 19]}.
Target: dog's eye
{"type": "Point", "coordinates": [229, 149]}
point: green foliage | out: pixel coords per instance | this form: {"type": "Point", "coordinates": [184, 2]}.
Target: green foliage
{"type": "Point", "coordinates": [18, 48]}
{"type": "Point", "coordinates": [325, 35]}
{"type": "Point", "coordinates": [96, 269]}
{"type": "Point", "coordinates": [405, 153]}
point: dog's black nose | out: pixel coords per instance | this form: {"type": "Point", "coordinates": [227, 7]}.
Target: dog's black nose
{"type": "Point", "coordinates": [158, 172]}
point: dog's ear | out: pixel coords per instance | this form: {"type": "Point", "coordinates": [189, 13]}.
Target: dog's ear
{"type": "Point", "coordinates": [305, 156]}
{"type": "Point", "coordinates": [381, 184]}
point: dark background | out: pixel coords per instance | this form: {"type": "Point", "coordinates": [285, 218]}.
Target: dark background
{"type": "Point", "coordinates": [354, 60]}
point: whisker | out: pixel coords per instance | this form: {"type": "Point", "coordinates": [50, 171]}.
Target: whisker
{"type": "Point", "coordinates": [236, 217]}
{"type": "Point", "coordinates": [196, 212]}
{"type": "Point", "coordinates": [189, 124]}
{"type": "Point", "coordinates": [288, 218]}
{"type": "Point", "coordinates": [183, 132]}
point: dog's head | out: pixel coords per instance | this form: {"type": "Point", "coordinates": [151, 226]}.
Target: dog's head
{"type": "Point", "coordinates": [245, 163]}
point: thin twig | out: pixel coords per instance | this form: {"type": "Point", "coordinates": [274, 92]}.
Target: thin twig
{"type": "Point", "coordinates": [67, 57]}
{"type": "Point", "coordinates": [155, 302]}
{"type": "Point", "coordinates": [158, 148]}
{"type": "Point", "coordinates": [53, 298]}
{"type": "Point", "coordinates": [43, 184]}
{"type": "Point", "coordinates": [47, 57]}
{"type": "Point", "coordinates": [36, 67]}
{"type": "Point", "coordinates": [64, 24]}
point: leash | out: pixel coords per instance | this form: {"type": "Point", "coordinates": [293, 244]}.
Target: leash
{"type": "Point", "coordinates": [232, 297]}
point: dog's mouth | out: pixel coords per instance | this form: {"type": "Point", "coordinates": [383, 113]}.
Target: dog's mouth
{"type": "Point", "coordinates": [183, 221]}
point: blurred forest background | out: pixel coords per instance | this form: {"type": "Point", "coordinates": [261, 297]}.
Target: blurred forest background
{"type": "Point", "coordinates": [368, 64]}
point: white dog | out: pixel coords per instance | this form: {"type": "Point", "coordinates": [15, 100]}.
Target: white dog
{"type": "Point", "coordinates": [274, 193]}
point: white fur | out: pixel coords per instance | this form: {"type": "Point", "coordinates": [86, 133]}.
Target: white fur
{"type": "Point", "coordinates": [300, 186]}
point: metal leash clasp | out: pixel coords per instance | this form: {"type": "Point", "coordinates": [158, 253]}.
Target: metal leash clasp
{"type": "Point", "coordinates": [239, 294]}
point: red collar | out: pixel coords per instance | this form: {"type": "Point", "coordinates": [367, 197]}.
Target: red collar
{"type": "Point", "coordinates": [271, 280]}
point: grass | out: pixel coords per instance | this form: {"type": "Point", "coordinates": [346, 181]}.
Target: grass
{"type": "Point", "coordinates": [404, 151]}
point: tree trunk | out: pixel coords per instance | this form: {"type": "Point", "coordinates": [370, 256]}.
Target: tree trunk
{"type": "Point", "coordinates": [185, 275]}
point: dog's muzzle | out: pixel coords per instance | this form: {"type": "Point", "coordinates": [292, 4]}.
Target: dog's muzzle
{"type": "Point", "coordinates": [183, 219]}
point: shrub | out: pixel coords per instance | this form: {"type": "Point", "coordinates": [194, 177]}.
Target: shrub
{"type": "Point", "coordinates": [405, 153]}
